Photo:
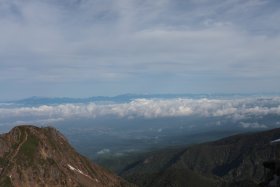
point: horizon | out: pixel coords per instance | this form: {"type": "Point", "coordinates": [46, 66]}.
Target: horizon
{"type": "Point", "coordinates": [145, 94]}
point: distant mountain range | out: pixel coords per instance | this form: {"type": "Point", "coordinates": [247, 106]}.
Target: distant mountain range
{"type": "Point", "coordinates": [35, 101]}
{"type": "Point", "coordinates": [32, 156]}
{"type": "Point", "coordinates": [233, 161]}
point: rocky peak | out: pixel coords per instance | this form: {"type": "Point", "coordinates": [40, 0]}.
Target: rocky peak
{"type": "Point", "coordinates": [32, 156]}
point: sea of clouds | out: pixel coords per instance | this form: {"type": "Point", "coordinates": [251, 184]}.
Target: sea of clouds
{"type": "Point", "coordinates": [235, 109]}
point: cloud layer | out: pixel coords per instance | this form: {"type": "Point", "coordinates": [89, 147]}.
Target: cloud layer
{"type": "Point", "coordinates": [234, 109]}
{"type": "Point", "coordinates": [92, 47]}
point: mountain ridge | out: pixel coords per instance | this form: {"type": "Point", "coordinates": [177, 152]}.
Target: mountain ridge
{"type": "Point", "coordinates": [32, 156]}
{"type": "Point", "coordinates": [233, 161]}
{"type": "Point", "coordinates": [40, 100]}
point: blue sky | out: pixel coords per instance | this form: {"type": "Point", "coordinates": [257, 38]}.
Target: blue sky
{"type": "Point", "coordinates": [81, 48]}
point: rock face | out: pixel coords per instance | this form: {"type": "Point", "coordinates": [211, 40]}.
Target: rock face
{"type": "Point", "coordinates": [233, 161]}
{"type": "Point", "coordinates": [32, 156]}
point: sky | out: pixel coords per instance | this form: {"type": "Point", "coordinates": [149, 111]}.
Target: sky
{"type": "Point", "coordinates": [82, 48]}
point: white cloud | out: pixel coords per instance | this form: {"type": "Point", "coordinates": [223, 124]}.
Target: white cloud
{"type": "Point", "coordinates": [252, 125]}
{"type": "Point", "coordinates": [235, 109]}
{"type": "Point", "coordinates": [103, 151]}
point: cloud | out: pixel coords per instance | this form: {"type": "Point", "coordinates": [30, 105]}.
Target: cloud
{"type": "Point", "coordinates": [252, 125]}
{"type": "Point", "coordinates": [136, 108]}
{"type": "Point", "coordinates": [234, 109]}
{"type": "Point", "coordinates": [103, 151]}
{"type": "Point", "coordinates": [61, 45]}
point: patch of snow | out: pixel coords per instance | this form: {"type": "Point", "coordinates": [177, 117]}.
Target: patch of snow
{"type": "Point", "coordinates": [79, 171]}
{"type": "Point", "coordinates": [74, 169]}
{"type": "Point", "coordinates": [71, 167]}
{"type": "Point", "coordinates": [275, 141]}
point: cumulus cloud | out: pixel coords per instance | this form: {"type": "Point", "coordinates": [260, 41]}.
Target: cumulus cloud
{"type": "Point", "coordinates": [235, 109]}
{"type": "Point", "coordinates": [137, 108]}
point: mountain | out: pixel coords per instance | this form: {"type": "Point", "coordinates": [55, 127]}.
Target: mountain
{"type": "Point", "coordinates": [33, 156]}
{"type": "Point", "coordinates": [233, 161]}
{"type": "Point", "coordinates": [37, 101]}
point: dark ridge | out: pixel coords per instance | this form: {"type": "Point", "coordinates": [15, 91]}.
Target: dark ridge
{"type": "Point", "coordinates": [233, 161]}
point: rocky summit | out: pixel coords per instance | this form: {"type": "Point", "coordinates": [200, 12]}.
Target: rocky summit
{"type": "Point", "coordinates": [33, 156]}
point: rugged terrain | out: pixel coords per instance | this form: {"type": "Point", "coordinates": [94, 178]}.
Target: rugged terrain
{"type": "Point", "coordinates": [32, 156]}
{"type": "Point", "coordinates": [233, 161]}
